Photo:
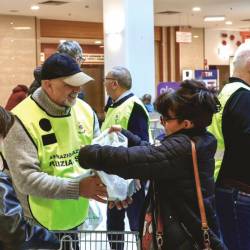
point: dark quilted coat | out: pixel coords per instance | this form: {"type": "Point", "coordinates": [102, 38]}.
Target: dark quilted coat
{"type": "Point", "coordinates": [170, 167]}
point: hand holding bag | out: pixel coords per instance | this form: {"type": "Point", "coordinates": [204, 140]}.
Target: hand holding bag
{"type": "Point", "coordinates": [204, 225]}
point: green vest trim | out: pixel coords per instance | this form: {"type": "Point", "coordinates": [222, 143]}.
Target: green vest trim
{"type": "Point", "coordinates": [120, 115]}
{"type": "Point", "coordinates": [58, 140]}
{"type": "Point", "coordinates": [216, 126]}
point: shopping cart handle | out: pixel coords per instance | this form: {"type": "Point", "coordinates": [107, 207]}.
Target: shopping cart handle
{"type": "Point", "coordinates": [67, 240]}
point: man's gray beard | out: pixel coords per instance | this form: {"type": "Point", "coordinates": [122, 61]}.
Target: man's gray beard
{"type": "Point", "coordinates": [70, 104]}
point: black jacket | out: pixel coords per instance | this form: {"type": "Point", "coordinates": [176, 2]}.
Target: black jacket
{"type": "Point", "coordinates": [236, 133]}
{"type": "Point", "coordinates": [170, 166]}
{"type": "Point", "coordinates": [15, 232]}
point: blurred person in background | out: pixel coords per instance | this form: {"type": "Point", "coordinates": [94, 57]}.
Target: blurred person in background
{"type": "Point", "coordinates": [18, 94]}
{"type": "Point", "coordinates": [146, 99]}
{"type": "Point", "coordinates": [72, 48]}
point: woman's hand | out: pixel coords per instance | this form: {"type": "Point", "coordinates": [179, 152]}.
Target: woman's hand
{"type": "Point", "coordinates": [120, 204]}
{"type": "Point", "coordinates": [115, 128]}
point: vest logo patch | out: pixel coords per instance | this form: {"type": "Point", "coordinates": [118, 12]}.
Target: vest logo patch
{"type": "Point", "coordinates": [117, 119]}
{"type": "Point", "coordinates": [81, 129]}
{"type": "Point", "coordinates": [49, 139]}
{"type": "Point", "coordinates": [45, 124]}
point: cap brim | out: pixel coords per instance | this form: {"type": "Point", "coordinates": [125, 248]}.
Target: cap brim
{"type": "Point", "coordinates": [77, 79]}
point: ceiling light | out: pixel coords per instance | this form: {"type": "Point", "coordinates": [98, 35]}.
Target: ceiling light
{"type": "Point", "coordinates": [34, 7]}
{"type": "Point", "coordinates": [98, 42]}
{"type": "Point", "coordinates": [196, 8]}
{"type": "Point", "coordinates": [228, 22]}
{"type": "Point", "coordinates": [214, 18]}
{"type": "Point", "coordinates": [21, 28]}
{"type": "Point", "coordinates": [195, 36]}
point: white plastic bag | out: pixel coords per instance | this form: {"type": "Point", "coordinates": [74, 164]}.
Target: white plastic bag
{"type": "Point", "coordinates": [117, 187]}
{"type": "Point", "coordinates": [94, 218]}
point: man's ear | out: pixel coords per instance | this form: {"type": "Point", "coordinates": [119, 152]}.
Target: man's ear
{"type": "Point", "coordinates": [115, 84]}
{"type": "Point", "coordinates": [188, 124]}
{"type": "Point", "coordinates": [248, 64]}
{"type": "Point", "coordinates": [46, 84]}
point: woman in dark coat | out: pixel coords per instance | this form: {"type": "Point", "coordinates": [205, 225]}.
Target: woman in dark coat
{"type": "Point", "coordinates": [185, 115]}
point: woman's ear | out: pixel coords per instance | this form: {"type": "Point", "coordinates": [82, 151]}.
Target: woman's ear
{"type": "Point", "coordinates": [188, 124]}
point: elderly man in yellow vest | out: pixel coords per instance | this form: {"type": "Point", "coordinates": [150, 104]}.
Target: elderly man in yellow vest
{"type": "Point", "coordinates": [41, 149]}
{"type": "Point", "coordinates": [127, 110]}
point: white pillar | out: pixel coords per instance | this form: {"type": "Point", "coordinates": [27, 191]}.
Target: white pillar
{"type": "Point", "coordinates": [129, 41]}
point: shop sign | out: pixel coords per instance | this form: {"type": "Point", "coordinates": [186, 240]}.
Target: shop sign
{"type": "Point", "coordinates": [166, 86]}
{"type": "Point", "coordinates": [209, 77]}
{"type": "Point", "coordinates": [94, 58]}
{"type": "Point", "coordinates": [183, 37]}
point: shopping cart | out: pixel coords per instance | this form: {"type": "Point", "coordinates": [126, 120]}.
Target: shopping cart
{"type": "Point", "coordinates": [98, 240]}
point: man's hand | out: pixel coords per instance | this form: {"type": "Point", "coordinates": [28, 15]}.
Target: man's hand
{"type": "Point", "coordinates": [115, 128]}
{"type": "Point", "coordinates": [120, 204]}
{"type": "Point", "coordinates": [93, 188]}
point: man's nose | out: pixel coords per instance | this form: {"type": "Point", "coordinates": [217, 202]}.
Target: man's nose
{"type": "Point", "coordinates": [76, 88]}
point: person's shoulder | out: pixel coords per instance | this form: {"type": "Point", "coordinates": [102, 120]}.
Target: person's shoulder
{"type": "Point", "coordinates": [240, 99]}
{"type": "Point", "coordinates": [206, 145]}
{"type": "Point", "coordinates": [139, 107]}
{"type": "Point", "coordinates": [177, 142]}
{"type": "Point", "coordinates": [139, 114]}
{"type": "Point", "coordinates": [241, 92]}
{"type": "Point", "coordinates": [84, 106]}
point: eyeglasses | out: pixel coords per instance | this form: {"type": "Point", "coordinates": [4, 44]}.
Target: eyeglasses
{"type": "Point", "coordinates": [81, 59]}
{"type": "Point", "coordinates": [167, 118]}
{"type": "Point", "coordinates": [109, 78]}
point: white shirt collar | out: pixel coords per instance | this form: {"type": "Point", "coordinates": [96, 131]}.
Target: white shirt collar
{"type": "Point", "coordinates": [122, 95]}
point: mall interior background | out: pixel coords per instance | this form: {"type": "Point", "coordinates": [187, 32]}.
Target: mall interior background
{"type": "Point", "coordinates": [23, 49]}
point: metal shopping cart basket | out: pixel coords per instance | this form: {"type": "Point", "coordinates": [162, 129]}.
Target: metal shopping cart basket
{"type": "Point", "coordinates": [98, 240]}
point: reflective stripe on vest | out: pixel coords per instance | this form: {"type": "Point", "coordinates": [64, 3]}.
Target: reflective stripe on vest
{"type": "Point", "coordinates": [216, 126]}
{"type": "Point", "coordinates": [58, 140]}
{"type": "Point", "coordinates": [120, 115]}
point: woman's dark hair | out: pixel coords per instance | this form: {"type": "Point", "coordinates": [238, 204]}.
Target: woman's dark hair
{"type": "Point", "coordinates": [192, 101]}
{"type": "Point", "coordinates": [6, 121]}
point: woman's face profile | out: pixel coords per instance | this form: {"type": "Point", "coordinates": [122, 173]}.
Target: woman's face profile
{"type": "Point", "coordinates": [172, 123]}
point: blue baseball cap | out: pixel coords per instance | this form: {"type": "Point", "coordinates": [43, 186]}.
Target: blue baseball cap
{"type": "Point", "coordinates": [61, 65]}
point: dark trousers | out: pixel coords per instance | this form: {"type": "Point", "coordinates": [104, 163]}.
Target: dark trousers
{"type": "Point", "coordinates": [233, 208]}
{"type": "Point", "coordinates": [115, 219]}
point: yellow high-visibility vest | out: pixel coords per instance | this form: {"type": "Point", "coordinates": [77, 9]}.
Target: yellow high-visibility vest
{"type": "Point", "coordinates": [58, 140]}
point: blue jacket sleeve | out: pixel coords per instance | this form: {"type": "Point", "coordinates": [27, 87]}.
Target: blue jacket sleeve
{"type": "Point", "coordinates": [134, 140]}
{"type": "Point", "coordinates": [138, 122]}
